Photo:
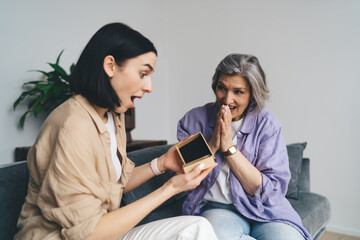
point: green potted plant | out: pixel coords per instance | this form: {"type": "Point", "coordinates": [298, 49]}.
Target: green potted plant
{"type": "Point", "coordinates": [45, 95]}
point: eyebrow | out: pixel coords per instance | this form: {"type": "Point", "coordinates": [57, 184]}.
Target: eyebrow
{"type": "Point", "coordinates": [234, 88]}
{"type": "Point", "coordinates": [149, 66]}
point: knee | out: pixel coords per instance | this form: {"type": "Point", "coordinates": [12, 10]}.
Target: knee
{"type": "Point", "coordinates": [199, 221]}
{"type": "Point", "coordinates": [203, 222]}
{"type": "Point", "coordinates": [198, 228]}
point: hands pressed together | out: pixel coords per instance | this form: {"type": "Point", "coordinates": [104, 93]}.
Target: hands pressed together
{"type": "Point", "coordinates": [222, 137]}
{"type": "Point", "coordinates": [248, 175]}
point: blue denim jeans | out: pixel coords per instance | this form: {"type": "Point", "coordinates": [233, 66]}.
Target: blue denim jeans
{"type": "Point", "coordinates": [229, 224]}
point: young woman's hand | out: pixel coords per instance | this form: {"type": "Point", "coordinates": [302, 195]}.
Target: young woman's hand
{"type": "Point", "coordinates": [189, 181]}
{"type": "Point", "coordinates": [171, 160]}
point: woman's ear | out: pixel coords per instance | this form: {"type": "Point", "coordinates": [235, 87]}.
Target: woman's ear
{"type": "Point", "coordinates": [109, 65]}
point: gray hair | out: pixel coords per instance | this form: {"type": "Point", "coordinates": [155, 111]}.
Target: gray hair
{"type": "Point", "coordinates": [248, 67]}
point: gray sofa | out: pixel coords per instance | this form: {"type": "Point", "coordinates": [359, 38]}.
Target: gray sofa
{"type": "Point", "coordinates": [313, 208]}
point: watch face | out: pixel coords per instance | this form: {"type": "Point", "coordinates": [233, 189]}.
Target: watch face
{"type": "Point", "coordinates": [232, 150]}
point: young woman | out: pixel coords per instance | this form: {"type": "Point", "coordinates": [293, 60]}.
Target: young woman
{"type": "Point", "coordinates": [244, 197]}
{"type": "Point", "coordinates": [78, 164]}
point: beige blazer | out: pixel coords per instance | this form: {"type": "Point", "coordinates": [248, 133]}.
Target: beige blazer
{"type": "Point", "coordinates": [72, 177]}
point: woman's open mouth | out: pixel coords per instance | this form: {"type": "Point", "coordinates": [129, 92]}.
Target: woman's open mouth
{"type": "Point", "coordinates": [230, 107]}
{"type": "Point", "coordinates": [132, 99]}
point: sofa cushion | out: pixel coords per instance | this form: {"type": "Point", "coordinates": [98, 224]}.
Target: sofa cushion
{"type": "Point", "coordinates": [314, 210]}
{"type": "Point", "coordinates": [304, 177]}
{"type": "Point", "coordinates": [295, 153]}
{"type": "Point", "coordinates": [14, 180]}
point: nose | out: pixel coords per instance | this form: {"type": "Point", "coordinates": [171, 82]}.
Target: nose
{"type": "Point", "coordinates": [147, 87]}
{"type": "Point", "coordinates": [228, 98]}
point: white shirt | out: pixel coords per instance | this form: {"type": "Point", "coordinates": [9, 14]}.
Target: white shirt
{"type": "Point", "coordinates": [220, 191]}
{"type": "Point", "coordinates": [110, 125]}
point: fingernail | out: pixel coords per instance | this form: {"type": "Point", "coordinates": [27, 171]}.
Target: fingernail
{"type": "Point", "coordinates": [201, 166]}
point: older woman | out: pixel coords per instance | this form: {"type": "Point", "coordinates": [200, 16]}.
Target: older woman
{"type": "Point", "coordinates": [244, 196]}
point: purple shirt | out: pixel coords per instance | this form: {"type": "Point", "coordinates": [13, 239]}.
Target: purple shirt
{"type": "Point", "coordinates": [263, 145]}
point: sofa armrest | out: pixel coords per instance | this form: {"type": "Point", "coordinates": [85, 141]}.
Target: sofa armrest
{"type": "Point", "coordinates": [14, 179]}
{"type": "Point", "coordinates": [304, 177]}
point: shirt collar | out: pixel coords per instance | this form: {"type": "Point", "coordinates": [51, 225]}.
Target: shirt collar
{"type": "Point", "coordinates": [249, 122]}
{"type": "Point", "coordinates": [94, 115]}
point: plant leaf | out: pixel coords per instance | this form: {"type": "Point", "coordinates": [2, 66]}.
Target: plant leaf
{"type": "Point", "coordinates": [22, 119]}
{"type": "Point", "coordinates": [59, 70]}
{"type": "Point", "coordinates": [43, 87]}
{"type": "Point", "coordinates": [58, 90]}
{"type": "Point", "coordinates": [21, 98]}
{"type": "Point", "coordinates": [31, 104]}
{"type": "Point", "coordinates": [36, 107]}
{"type": "Point", "coordinates": [72, 68]}
{"type": "Point", "coordinates": [46, 94]}
{"type": "Point", "coordinates": [33, 82]}
{"type": "Point", "coordinates": [58, 58]}
{"type": "Point", "coordinates": [43, 72]}
{"type": "Point", "coordinates": [54, 77]}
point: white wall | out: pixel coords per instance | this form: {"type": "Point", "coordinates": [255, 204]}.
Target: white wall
{"type": "Point", "coordinates": [308, 49]}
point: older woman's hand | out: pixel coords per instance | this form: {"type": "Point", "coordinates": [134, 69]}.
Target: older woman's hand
{"type": "Point", "coordinates": [226, 134]}
{"type": "Point", "coordinates": [214, 142]}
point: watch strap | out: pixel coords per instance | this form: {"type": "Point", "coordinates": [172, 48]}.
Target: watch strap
{"type": "Point", "coordinates": [228, 152]}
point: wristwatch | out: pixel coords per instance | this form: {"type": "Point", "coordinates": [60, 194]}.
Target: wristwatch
{"type": "Point", "coordinates": [232, 150]}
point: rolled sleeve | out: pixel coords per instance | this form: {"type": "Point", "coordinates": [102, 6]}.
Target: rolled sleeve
{"type": "Point", "coordinates": [274, 167]}
{"type": "Point", "coordinates": [262, 193]}
{"type": "Point", "coordinates": [77, 220]}
{"type": "Point", "coordinates": [81, 231]}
